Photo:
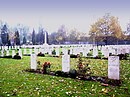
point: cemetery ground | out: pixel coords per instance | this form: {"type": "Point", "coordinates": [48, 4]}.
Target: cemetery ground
{"type": "Point", "coordinates": [15, 81]}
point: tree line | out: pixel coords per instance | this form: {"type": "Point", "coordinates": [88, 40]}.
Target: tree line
{"type": "Point", "coordinates": [106, 30]}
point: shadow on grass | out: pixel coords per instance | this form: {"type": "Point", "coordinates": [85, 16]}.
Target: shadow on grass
{"type": "Point", "coordinates": [103, 80]}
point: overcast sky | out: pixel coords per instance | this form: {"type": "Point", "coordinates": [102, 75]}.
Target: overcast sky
{"type": "Point", "coordinates": [79, 14]}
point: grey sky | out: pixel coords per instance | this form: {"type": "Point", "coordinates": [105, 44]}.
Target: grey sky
{"type": "Point", "coordinates": [79, 14]}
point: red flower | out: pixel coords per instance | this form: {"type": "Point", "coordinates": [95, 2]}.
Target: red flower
{"type": "Point", "coordinates": [48, 63]}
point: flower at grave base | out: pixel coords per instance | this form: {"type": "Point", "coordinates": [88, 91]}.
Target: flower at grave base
{"type": "Point", "coordinates": [48, 63]}
{"type": "Point", "coordinates": [80, 66]}
{"type": "Point", "coordinates": [45, 67]}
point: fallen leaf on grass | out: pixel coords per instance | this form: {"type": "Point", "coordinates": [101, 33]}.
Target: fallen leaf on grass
{"type": "Point", "coordinates": [104, 84]}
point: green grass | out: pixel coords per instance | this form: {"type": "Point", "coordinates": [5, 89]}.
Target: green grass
{"type": "Point", "coordinates": [15, 82]}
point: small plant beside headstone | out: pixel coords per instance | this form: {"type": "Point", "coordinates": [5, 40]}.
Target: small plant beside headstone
{"type": "Point", "coordinates": [83, 68]}
{"type": "Point", "coordinates": [17, 56]}
{"type": "Point", "coordinates": [46, 68]}
{"type": "Point", "coordinates": [41, 54]}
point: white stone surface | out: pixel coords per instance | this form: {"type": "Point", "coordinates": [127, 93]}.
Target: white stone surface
{"type": "Point", "coordinates": [7, 53]}
{"type": "Point", "coordinates": [33, 61]}
{"type": "Point", "coordinates": [13, 53]}
{"type": "Point", "coordinates": [30, 51]}
{"type": "Point", "coordinates": [65, 51]}
{"type": "Point", "coordinates": [95, 52]}
{"type": "Point", "coordinates": [20, 53]}
{"type": "Point", "coordinates": [2, 53]}
{"type": "Point", "coordinates": [25, 51]}
{"type": "Point", "coordinates": [65, 63]}
{"type": "Point", "coordinates": [57, 51]}
{"type": "Point", "coordinates": [113, 67]}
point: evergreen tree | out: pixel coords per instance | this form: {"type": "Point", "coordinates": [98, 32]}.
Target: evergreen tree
{"type": "Point", "coordinates": [17, 38]}
{"type": "Point", "coordinates": [24, 40]}
{"type": "Point", "coordinates": [33, 37]}
{"type": "Point", "coordinates": [41, 36]}
{"type": "Point", "coordinates": [8, 40]}
{"type": "Point", "coordinates": [4, 35]}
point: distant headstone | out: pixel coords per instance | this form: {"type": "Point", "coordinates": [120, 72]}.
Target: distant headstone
{"type": "Point", "coordinates": [36, 51]}
{"type": "Point", "coordinates": [13, 53]}
{"type": "Point", "coordinates": [2, 53]}
{"type": "Point", "coordinates": [64, 51]}
{"type": "Point", "coordinates": [65, 63]}
{"type": "Point", "coordinates": [50, 52]}
{"type": "Point", "coordinates": [20, 53]}
{"type": "Point", "coordinates": [25, 51]}
{"type": "Point", "coordinates": [30, 50]}
{"type": "Point", "coordinates": [7, 53]}
{"type": "Point", "coordinates": [57, 52]}
{"type": "Point", "coordinates": [113, 67]}
{"type": "Point", "coordinates": [106, 53]}
{"type": "Point", "coordinates": [95, 52]}
{"type": "Point", "coordinates": [71, 51]}
{"type": "Point", "coordinates": [33, 61]}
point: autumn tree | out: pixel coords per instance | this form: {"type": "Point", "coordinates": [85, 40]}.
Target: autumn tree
{"type": "Point", "coordinates": [105, 27]}
{"type": "Point", "coordinates": [61, 35]}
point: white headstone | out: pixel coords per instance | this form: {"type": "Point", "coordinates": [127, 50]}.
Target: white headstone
{"type": "Point", "coordinates": [65, 63]}
{"type": "Point", "coordinates": [36, 51]}
{"type": "Point", "coordinates": [64, 51]}
{"type": "Point", "coordinates": [106, 53]}
{"type": "Point", "coordinates": [95, 52]}
{"type": "Point", "coordinates": [50, 51]}
{"type": "Point", "coordinates": [113, 67]}
{"type": "Point", "coordinates": [2, 53]}
{"type": "Point", "coordinates": [33, 61]}
{"type": "Point", "coordinates": [20, 53]}
{"type": "Point", "coordinates": [85, 52]}
{"type": "Point", "coordinates": [13, 53]}
{"type": "Point", "coordinates": [25, 51]}
{"type": "Point", "coordinates": [30, 51]}
{"type": "Point", "coordinates": [57, 52]}
{"type": "Point", "coordinates": [7, 53]}
{"type": "Point", "coordinates": [71, 51]}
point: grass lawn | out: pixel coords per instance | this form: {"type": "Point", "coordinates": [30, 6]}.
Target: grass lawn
{"type": "Point", "coordinates": [14, 81]}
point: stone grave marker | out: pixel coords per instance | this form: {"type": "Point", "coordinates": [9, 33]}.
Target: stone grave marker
{"type": "Point", "coordinates": [66, 63]}
{"type": "Point", "coordinates": [2, 53]}
{"type": "Point", "coordinates": [57, 51]}
{"type": "Point", "coordinates": [36, 51]}
{"type": "Point", "coordinates": [113, 67]}
{"type": "Point", "coordinates": [64, 51]}
{"type": "Point", "coordinates": [95, 52]}
{"type": "Point", "coordinates": [25, 51]}
{"type": "Point", "coordinates": [7, 53]}
{"type": "Point", "coordinates": [33, 61]}
{"type": "Point", "coordinates": [20, 53]}
{"type": "Point", "coordinates": [13, 53]}
{"type": "Point", "coordinates": [106, 53]}
{"type": "Point", "coordinates": [30, 50]}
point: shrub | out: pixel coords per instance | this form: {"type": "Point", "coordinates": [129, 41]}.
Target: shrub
{"type": "Point", "coordinates": [123, 56]}
{"type": "Point", "coordinates": [46, 68]}
{"type": "Point", "coordinates": [17, 56]}
{"type": "Point", "coordinates": [73, 56]}
{"type": "Point", "coordinates": [41, 54]}
{"type": "Point", "coordinates": [53, 52]}
{"type": "Point", "coordinates": [83, 68]}
{"type": "Point", "coordinates": [73, 73]}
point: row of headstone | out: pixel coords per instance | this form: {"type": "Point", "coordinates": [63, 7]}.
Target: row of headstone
{"type": "Point", "coordinates": [13, 53]}
{"type": "Point", "coordinates": [65, 61]}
